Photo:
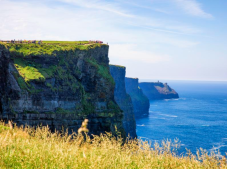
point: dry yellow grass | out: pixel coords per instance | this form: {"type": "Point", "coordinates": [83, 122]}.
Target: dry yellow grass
{"type": "Point", "coordinates": [39, 148]}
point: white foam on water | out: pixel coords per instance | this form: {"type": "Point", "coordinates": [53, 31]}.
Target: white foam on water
{"type": "Point", "coordinates": [167, 115]}
{"type": "Point", "coordinates": [143, 137]}
{"type": "Point", "coordinates": [140, 125]}
{"type": "Point", "coordinates": [170, 99]}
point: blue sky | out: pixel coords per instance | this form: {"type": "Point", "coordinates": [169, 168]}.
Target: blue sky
{"type": "Point", "coordinates": [154, 39]}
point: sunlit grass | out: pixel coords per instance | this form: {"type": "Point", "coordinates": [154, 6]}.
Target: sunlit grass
{"type": "Point", "coordinates": [30, 148]}
{"type": "Point", "coordinates": [29, 73]}
{"type": "Point", "coordinates": [65, 42]}
{"type": "Point", "coordinates": [48, 47]}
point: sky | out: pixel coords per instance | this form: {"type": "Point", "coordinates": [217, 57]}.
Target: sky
{"type": "Point", "coordinates": [154, 39]}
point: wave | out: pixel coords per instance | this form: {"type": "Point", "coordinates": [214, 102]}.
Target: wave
{"type": "Point", "coordinates": [143, 137]}
{"type": "Point", "coordinates": [140, 125]}
{"type": "Point", "coordinates": [167, 115]}
{"type": "Point", "coordinates": [175, 99]}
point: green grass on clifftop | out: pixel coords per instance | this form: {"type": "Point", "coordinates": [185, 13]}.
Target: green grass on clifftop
{"type": "Point", "coordinates": [30, 71]}
{"type": "Point", "coordinates": [39, 148]}
{"type": "Point", "coordinates": [48, 47]}
{"type": "Point", "coordinates": [118, 66]}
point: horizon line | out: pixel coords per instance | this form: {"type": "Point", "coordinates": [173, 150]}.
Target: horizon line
{"type": "Point", "coordinates": [154, 80]}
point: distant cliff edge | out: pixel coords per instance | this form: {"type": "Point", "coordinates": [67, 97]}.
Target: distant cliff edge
{"type": "Point", "coordinates": [123, 99]}
{"type": "Point", "coordinates": [140, 102]}
{"type": "Point", "coordinates": [158, 90]}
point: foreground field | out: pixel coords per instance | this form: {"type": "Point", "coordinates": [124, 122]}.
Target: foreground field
{"type": "Point", "coordinates": [39, 148]}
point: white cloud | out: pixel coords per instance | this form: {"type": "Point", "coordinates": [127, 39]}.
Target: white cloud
{"type": "Point", "coordinates": [135, 39]}
{"type": "Point", "coordinates": [131, 52]}
{"type": "Point", "coordinates": [35, 19]}
{"type": "Point", "coordinates": [192, 7]}
{"type": "Point", "coordinates": [99, 5]}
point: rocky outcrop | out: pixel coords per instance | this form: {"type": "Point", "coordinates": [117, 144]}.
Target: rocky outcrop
{"type": "Point", "coordinates": [59, 89]}
{"type": "Point", "coordinates": [158, 90]}
{"type": "Point", "coordinates": [140, 102]}
{"type": "Point", "coordinates": [123, 100]}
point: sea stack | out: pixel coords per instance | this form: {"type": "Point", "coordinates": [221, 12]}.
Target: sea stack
{"type": "Point", "coordinates": [158, 90]}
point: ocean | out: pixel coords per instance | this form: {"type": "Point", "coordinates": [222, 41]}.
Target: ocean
{"type": "Point", "coordinates": [198, 118]}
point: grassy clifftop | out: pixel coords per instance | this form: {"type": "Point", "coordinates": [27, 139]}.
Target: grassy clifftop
{"type": "Point", "coordinates": [118, 66]}
{"type": "Point", "coordinates": [48, 47]}
{"type": "Point", "coordinates": [64, 51]}
{"type": "Point", "coordinates": [29, 148]}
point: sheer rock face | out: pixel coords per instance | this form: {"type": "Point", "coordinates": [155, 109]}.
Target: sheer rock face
{"type": "Point", "coordinates": [123, 100]}
{"type": "Point", "coordinates": [4, 81]}
{"type": "Point", "coordinates": [140, 102]}
{"type": "Point", "coordinates": [73, 85]}
{"type": "Point", "coordinates": [158, 90]}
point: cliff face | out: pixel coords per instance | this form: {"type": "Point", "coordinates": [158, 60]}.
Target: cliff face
{"type": "Point", "coordinates": [140, 102]}
{"type": "Point", "coordinates": [157, 91]}
{"type": "Point", "coordinates": [123, 100]}
{"type": "Point", "coordinates": [59, 88]}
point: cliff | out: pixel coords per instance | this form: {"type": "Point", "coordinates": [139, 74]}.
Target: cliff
{"type": "Point", "coordinates": [58, 85]}
{"type": "Point", "coordinates": [123, 99]}
{"type": "Point", "coordinates": [158, 90]}
{"type": "Point", "coordinates": [140, 102]}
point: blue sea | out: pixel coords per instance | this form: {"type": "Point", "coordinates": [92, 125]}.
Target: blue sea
{"type": "Point", "coordinates": [198, 118]}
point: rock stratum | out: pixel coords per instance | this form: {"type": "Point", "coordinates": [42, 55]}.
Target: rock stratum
{"type": "Point", "coordinates": [158, 90]}
{"type": "Point", "coordinates": [58, 85]}
{"type": "Point", "coordinates": [140, 102]}
{"type": "Point", "coordinates": [123, 99]}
